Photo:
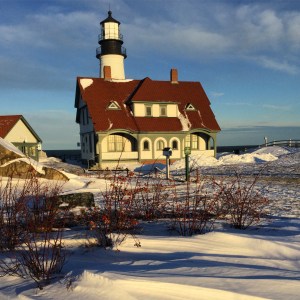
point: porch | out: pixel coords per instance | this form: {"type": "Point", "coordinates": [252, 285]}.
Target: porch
{"type": "Point", "coordinates": [128, 155]}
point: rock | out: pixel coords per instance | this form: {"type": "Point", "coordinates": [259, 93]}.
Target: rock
{"type": "Point", "coordinates": [7, 155]}
{"type": "Point", "coordinates": [77, 199]}
{"type": "Point", "coordinates": [54, 174]}
{"type": "Point", "coordinates": [18, 169]}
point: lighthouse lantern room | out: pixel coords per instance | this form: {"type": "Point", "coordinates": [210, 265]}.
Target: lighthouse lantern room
{"type": "Point", "coordinates": [111, 53]}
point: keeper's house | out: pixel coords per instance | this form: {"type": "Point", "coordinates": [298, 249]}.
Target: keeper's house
{"type": "Point", "coordinates": [124, 120]}
{"type": "Point", "coordinates": [16, 130]}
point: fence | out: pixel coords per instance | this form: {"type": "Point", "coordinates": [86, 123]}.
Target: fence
{"type": "Point", "coordinates": [286, 143]}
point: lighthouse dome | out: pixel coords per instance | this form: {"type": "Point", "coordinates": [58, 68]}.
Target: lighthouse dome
{"type": "Point", "coordinates": [109, 19]}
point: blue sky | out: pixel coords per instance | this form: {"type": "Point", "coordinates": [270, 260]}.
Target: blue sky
{"type": "Point", "coordinates": [245, 54]}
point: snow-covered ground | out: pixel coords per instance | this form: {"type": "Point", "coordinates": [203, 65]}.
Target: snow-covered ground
{"type": "Point", "coordinates": [258, 263]}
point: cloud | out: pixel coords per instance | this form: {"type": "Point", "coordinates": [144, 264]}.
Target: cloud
{"type": "Point", "coordinates": [49, 30]}
{"type": "Point", "coordinates": [260, 105]}
{"type": "Point", "coordinates": [239, 104]}
{"type": "Point", "coordinates": [277, 107]}
{"type": "Point", "coordinates": [255, 31]}
{"type": "Point", "coordinates": [293, 30]}
{"type": "Point", "coordinates": [258, 28]}
{"type": "Point", "coordinates": [175, 40]}
{"type": "Point", "coordinates": [51, 43]}
{"type": "Point", "coordinates": [216, 94]}
{"type": "Point", "coordinates": [278, 66]}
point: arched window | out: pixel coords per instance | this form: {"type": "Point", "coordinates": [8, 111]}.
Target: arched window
{"type": "Point", "coordinates": [175, 145]}
{"type": "Point", "coordinates": [146, 145]}
{"type": "Point", "coordinates": [160, 145]}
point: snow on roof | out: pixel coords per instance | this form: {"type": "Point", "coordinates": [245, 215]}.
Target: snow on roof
{"type": "Point", "coordinates": [110, 124]}
{"type": "Point", "coordinates": [86, 82]}
{"type": "Point", "coordinates": [121, 80]}
{"type": "Point", "coordinates": [186, 124]}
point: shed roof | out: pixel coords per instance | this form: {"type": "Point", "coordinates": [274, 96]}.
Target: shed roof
{"type": "Point", "coordinates": [7, 123]}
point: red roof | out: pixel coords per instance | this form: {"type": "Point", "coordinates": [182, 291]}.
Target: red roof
{"type": "Point", "coordinates": [97, 97]}
{"type": "Point", "coordinates": [7, 123]}
{"type": "Point", "coordinates": [100, 93]}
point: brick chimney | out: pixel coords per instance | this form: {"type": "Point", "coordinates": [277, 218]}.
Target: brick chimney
{"type": "Point", "coordinates": [107, 73]}
{"type": "Point", "coordinates": [174, 76]}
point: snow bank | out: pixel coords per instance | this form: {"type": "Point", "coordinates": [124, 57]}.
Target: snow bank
{"type": "Point", "coordinates": [246, 158]}
{"type": "Point", "coordinates": [122, 287]}
{"type": "Point", "coordinates": [50, 160]}
{"type": "Point", "coordinates": [217, 265]}
{"type": "Point", "coordinates": [259, 156]}
{"type": "Point", "coordinates": [224, 264]}
{"type": "Point", "coordinates": [198, 160]}
{"type": "Point", "coordinates": [274, 150]}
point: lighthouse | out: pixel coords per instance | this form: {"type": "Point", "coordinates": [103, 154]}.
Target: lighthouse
{"type": "Point", "coordinates": [111, 53]}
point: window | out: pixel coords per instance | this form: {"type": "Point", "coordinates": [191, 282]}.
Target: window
{"type": "Point", "coordinates": [160, 145]}
{"type": "Point", "coordinates": [82, 144]}
{"type": "Point", "coordinates": [191, 140]}
{"type": "Point", "coordinates": [194, 141]}
{"type": "Point", "coordinates": [83, 116]}
{"type": "Point", "coordinates": [90, 142]}
{"type": "Point", "coordinates": [146, 145]}
{"type": "Point", "coordinates": [24, 149]}
{"type": "Point", "coordinates": [190, 106]}
{"type": "Point", "coordinates": [163, 110]}
{"type": "Point", "coordinates": [188, 141]}
{"type": "Point", "coordinates": [113, 105]}
{"type": "Point", "coordinates": [175, 145]}
{"type": "Point", "coordinates": [116, 143]}
{"type": "Point", "coordinates": [86, 143]}
{"type": "Point", "coordinates": [87, 115]}
{"type": "Point", "coordinates": [32, 151]}
{"type": "Point", "coordinates": [148, 110]}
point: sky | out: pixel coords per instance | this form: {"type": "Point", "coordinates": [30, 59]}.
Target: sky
{"type": "Point", "coordinates": [244, 53]}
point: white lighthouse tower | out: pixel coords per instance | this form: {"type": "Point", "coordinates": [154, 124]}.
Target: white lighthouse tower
{"type": "Point", "coordinates": [111, 53]}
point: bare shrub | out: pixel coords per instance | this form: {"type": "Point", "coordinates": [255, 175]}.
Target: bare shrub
{"type": "Point", "coordinates": [150, 200]}
{"type": "Point", "coordinates": [116, 220]}
{"type": "Point", "coordinates": [242, 200]}
{"type": "Point", "coordinates": [194, 210]}
{"type": "Point", "coordinates": [10, 229]}
{"type": "Point", "coordinates": [37, 249]}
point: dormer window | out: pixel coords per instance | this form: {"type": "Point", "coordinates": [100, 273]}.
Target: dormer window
{"type": "Point", "coordinates": [148, 111]}
{"type": "Point", "coordinates": [113, 105]}
{"type": "Point", "coordinates": [190, 106]}
{"type": "Point", "coordinates": [163, 110]}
